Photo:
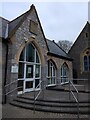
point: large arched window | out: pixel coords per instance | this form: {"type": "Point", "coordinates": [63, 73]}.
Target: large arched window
{"type": "Point", "coordinates": [29, 73]}
{"type": "Point", "coordinates": [51, 73]}
{"type": "Point", "coordinates": [64, 73]}
{"type": "Point", "coordinates": [86, 60]}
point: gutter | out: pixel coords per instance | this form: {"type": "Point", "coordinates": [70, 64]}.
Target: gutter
{"type": "Point", "coordinates": [53, 54]}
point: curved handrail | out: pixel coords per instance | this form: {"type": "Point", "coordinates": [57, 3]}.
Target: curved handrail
{"type": "Point", "coordinates": [35, 97]}
{"type": "Point", "coordinates": [76, 98]}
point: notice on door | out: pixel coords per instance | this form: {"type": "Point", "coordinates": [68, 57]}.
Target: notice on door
{"type": "Point", "coordinates": [14, 69]}
{"type": "Point", "coordinates": [29, 70]}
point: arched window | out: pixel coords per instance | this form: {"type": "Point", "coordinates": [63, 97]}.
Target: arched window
{"type": "Point", "coordinates": [51, 73]}
{"type": "Point", "coordinates": [64, 73]}
{"type": "Point", "coordinates": [29, 73]}
{"type": "Point", "coordinates": [86, 60]}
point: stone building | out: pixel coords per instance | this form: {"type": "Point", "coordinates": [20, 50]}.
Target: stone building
{"type": "Point", "coordinates": [80, 53]}
{"type": "Point", "coordinates": [29, 58]}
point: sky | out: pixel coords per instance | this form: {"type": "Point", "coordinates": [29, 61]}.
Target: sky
{"type": "Point", "coordinates": [59, 20]}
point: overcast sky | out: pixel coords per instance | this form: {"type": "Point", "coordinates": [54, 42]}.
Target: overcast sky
{"type": "Point", "coordinates": [59, 20]}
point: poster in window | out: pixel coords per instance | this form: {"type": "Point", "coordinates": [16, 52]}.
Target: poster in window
{"type": "Point", "coordinates": [29, 70]}
{"type": "Point", "coordinates": [37, 70]}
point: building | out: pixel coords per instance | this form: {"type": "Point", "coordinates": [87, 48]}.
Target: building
{"type": "Point", "coordinates": [80, 53]}
{"type": "Point", "coordinates": [29, 58]}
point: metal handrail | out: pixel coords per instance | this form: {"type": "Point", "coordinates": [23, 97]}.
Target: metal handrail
{"type": "Point", "coordinates": [76, 98]}
{"type": "Point", "coordinates": [13, 90]}
{"type": "Point", "coordinates": [79, 79]}
{"type": "Point", "coordinates": [74, 86]}
{"type": "Point", "coordinates": [10, 83]}
{"type": "Point", "coordinates": [35, 97]}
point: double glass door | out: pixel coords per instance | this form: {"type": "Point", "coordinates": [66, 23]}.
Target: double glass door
{"type": "Point", "coordinates": [32, 77]}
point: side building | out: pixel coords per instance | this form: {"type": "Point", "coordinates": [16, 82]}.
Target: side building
{"type": "Point", "coordinates": [80, 53]}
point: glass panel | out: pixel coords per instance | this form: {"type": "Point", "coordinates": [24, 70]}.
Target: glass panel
{"type": "Point", "coordinates": [64, 73]}
{"type": "Point", "coordinates": [49, 81]}
{"type": "Point", "coordinates": [52, 82]}
{"type": "Point", "coordinates": [30, 53]}
{"type": "Point", "coordinates": [85, 63]}
{"type": "Point", "coordinates": [85, 58]}
{"type": "Point", "coordinates": [62, 80]}
{"type": "Point", "coordinates": [21, 70]}
{"type": "Point", "coordinates": [48, 68]}
{"type": "Point", "coordinates": [89, 67]}
{"type": "Point", "coordinates": [36, 83]}
{"type": "Point", "coordinates": [61, 71]}
{"type": "Point", "coordinates": [86, 67]}
{"type": "Point", "coordinates": [37, 71]}
{"type": "Point", "coordinates": [50, 71]}
{"type": "Point", "coordinates": [22, 55]}
{"type": "Point", "coordinates": [20, 84]}
{"type": "Point", "coordinates": [89, 60]}
{"type": "Point", "coordinates": [29, 84]}
{"type": "Point", "coordinates": [37, 58]}
{"type": "Point", "coordinates": [29, 71]}
{"type": "Point", "coordinates": [53, 71]}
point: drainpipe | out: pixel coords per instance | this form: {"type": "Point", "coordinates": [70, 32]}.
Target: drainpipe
{"type": "Point", "coordinates": [6, 40]}
{"type": "Point", "coordinates": [5, 71]}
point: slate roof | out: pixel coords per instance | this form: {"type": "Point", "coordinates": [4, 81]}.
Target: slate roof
{"type": "Point", "coordinates": [55, 50]}
{"type": "Point", "coordinates": [12, 25]}
{"type": "Point", "coordinates": [3, 26]}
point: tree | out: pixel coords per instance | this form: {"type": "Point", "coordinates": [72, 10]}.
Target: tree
{"type": "Point", "coordinates": [65, 45]}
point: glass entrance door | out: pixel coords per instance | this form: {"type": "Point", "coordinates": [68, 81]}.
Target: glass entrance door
{"type": "Point", "coordinates": [29, 79]}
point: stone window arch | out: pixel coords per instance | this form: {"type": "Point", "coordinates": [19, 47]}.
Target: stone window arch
{"type": "Point", "coordinates": [64, 73]}
{"type": "Point", "coordinates": [86, 60]}
{"type": "Point", "coordinates": [29, 73]}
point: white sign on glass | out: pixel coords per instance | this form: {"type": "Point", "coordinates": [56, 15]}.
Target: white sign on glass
{"type": "Point", "coordinates": [14, 69]}
{"type": "Point", "coordinates": [29, 70]}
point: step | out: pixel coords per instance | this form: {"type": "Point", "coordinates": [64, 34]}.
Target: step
{"type": "Point", "coordinates": [50, 109]}
{"type": "Point", "coordinates": [53, 106]}
{"type": "Point", "coordinates": [52, 103]}
{"type": "Point", "coordinates": [53, 100]}
{"type": "Point", "coordinates": [80, 88]}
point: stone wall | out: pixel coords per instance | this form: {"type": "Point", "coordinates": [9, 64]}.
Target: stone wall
{"type": "Point", "coordinates": [76, 52]}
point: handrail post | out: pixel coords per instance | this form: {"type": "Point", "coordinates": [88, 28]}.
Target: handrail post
{"type": "Point", "coordinates": [34, 101]}
{"type": "Point", "coordinates": [36, 96]}
{"type": "Point", "coordinates": [78, 104]}
{"type": "Point", "coordinates": [69, 91]}
{"type": "Point", "coordinates": [43, 89]}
